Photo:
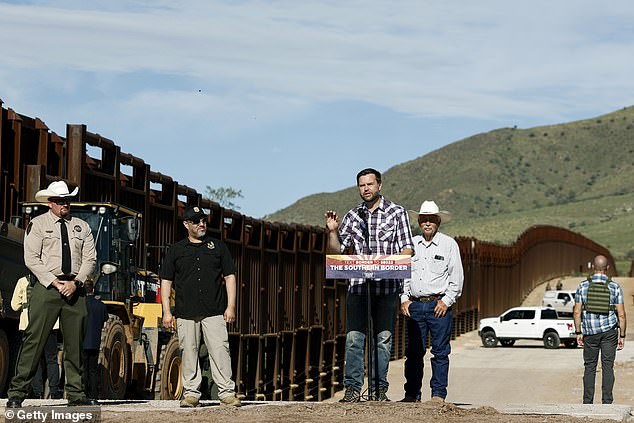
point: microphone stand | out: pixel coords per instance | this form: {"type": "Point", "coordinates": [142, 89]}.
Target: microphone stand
{"type": "Point", "coordinates": [373, 352]}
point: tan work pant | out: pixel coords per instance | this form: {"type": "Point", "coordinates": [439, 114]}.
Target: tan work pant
{"type": "Point", "coordinates": [216, 337]}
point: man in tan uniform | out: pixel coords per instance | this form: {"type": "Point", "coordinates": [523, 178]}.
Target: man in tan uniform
{"type": "Point", "coordinates": [60, 251]}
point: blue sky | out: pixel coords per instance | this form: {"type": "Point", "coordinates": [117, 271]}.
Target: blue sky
{"type": "Point", "coordinates": [282, 99]}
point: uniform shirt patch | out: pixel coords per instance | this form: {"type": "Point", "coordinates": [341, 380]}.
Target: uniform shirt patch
{"type": "Point", "coordinates": [211, 245]}
{"type": "Point", "coordinates": [77, 228]}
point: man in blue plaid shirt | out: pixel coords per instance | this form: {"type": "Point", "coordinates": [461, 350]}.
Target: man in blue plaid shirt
{"type": "Point", "coordinates": [375, 227]}
{"type": "Point", "coordinates": [599, 332]}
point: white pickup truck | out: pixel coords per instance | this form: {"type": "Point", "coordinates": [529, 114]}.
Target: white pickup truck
{"type": "Point", "coordinates": [528, 323]}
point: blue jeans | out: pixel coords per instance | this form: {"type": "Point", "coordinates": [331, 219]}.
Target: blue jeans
{"type": "Point", "coordinates": [422, 322]}
{"type": "Point", "coordinates": [606, 343]}
{"type": "Point", "coordinates": [383, 308]}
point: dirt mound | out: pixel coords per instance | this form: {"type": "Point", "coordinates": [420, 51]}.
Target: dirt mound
{"type": "Point", "coordinates": [329, 412]}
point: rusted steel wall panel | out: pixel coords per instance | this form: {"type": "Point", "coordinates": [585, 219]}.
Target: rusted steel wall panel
{"type": "Point", "coordinates": [304, 289]}
{"type": "Point", "coordinates": [300, 371]}
{"type": "Point", "coordinates": [314, 363]}
{"type": "Point", "coordinates": [287, 297]}
{"type": "Point", "coordinates": [250, 296]}
{"type": "Point", "coordinates": [270, 289]}
{"type": "Point", "coordinates": [286, 282]}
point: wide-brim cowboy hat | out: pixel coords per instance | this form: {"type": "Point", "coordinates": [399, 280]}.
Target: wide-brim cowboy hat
{"type": "Point", "coordinates": [57, 189]}
{"type": "Point", "coordinates": [431, 208]}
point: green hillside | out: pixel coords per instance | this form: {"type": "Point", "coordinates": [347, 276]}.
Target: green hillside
{"type": "Point", "coordinates": [576, 175]}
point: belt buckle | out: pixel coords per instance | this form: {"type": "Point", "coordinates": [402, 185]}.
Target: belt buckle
{"type": "Point", "coordinates": [427, 298]}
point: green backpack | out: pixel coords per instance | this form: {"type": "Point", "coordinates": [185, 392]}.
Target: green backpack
{"type": "Point", "coordinates": [598, 300]}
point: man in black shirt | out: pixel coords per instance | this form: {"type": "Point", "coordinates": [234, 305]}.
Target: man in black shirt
{"type": "Point", "coordinates": [198, 265]}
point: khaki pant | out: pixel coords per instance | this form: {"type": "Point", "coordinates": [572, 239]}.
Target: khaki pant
{"type": "Point", "coordinates": [216, 337]}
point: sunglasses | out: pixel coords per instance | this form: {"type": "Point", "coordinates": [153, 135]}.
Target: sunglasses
{"type": "Point", "coordinates": [60, 201]}
{"type": "Point", "coordinates": [202, 221]}
{"type": "Point", "coordinates": [431, 218]}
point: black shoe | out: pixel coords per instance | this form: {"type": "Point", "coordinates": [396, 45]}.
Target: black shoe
{"type": "Point", "coordinates": [351, 395]}
{"type": "Point", "coordinates": [82, 401]}
{"type": "Point", "coordinates": [381, 396]}
{"type": "Point", "coordinates": [57, 395]}
{"type": "Point", "coordinates": [14, 402]}
{"type": "Point", "coordinates": [409, 399]}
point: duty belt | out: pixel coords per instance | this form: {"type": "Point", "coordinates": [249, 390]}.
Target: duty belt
{"type": "Point", "coordinates": [426, 298]}
{"type": "Point", "coordinates": [66, 277]}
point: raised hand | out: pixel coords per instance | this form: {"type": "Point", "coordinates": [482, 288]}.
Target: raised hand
{"type": "Point", "coordinates": [332, 223]}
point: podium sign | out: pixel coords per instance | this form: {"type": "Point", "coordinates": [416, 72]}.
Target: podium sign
{"type": "Point", "coordinates": [368, 267]}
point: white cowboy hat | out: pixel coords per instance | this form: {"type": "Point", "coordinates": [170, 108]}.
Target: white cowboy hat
{"type": "Point", "coordinates": [430, 207]}
{"type": "Point", "coordinates": [57, 189]}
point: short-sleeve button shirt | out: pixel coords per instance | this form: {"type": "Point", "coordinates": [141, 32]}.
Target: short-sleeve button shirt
{"type": "Point", "coordinates": [592, 323]}
{"type": "Point", "coordinates": [197, 271]}
{"type": "Point", "coordinates": [43, 248]}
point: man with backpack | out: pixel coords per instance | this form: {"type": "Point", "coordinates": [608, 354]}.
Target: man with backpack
{"type": "Point", "coordinates": [600, 325]}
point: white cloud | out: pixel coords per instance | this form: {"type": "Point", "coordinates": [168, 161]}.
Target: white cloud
{"type": "Point", "coordinates": [158, 74]}
{"type": "Point", "coordinates": [415, 57]}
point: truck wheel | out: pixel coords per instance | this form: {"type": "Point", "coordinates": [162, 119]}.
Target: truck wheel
{"type": "Point", "coordinates": [551, 340]}
{"type": "Point", "coordinates": [570, 343]}
{"type": "Point", "coordinates": [114, 359]}
{"type": "Point", "coordinates": [169, 384]}
{"type": "Point", "coordinates": [4, 360]}
{"type": "Point", "coordinates": [507, 342]}
{"type": "Point", "coordinates": [489, 340]}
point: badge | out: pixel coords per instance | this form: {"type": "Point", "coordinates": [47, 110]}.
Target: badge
{"type": "Point", "coordinates": [77, 228]}
{"type": "Point", "coordinates": [211, 245]}
{"type": "Point", "coordinates": [196, 209]}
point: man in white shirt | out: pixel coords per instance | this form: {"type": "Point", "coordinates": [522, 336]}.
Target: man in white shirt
{"type": "Point", "coordinates": [436, 285]}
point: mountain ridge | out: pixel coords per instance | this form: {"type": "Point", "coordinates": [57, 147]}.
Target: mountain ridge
{"type": "Point", "coordinates": [492, 180]}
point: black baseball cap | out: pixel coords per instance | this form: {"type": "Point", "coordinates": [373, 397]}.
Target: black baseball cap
{"type": "Point", "coordinates": [194, 214]}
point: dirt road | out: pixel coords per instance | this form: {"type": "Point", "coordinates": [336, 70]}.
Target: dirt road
{"type": "Point", "coordinates": [525, 373]}
{"type": "Point", "coordinates": [480, 380]}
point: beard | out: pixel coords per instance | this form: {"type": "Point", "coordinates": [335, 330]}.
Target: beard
{"type": "Point", "coordinates": [371, 199]}
{"type": "Point", "coordinates": [199, 233]}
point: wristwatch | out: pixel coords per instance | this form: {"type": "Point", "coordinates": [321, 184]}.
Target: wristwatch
{"type": "Point", "coordinates": [578, 332]}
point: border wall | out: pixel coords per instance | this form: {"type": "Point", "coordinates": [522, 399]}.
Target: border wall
{"type": "Point", "coordinates": [288, 341]}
